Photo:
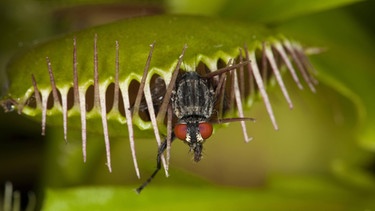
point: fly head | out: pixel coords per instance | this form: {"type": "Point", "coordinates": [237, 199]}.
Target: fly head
{"type": "Point", "coordinates": [194, 132]}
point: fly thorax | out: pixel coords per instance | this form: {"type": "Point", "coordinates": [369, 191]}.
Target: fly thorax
{"type": "Point", "coordinates": [192, 96]}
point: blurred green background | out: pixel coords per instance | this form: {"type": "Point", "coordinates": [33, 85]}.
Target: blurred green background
{"type": "Point", "coordinates": [322, 158]}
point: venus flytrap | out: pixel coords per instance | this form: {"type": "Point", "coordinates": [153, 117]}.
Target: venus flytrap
{"type": "Point", "coordinates": [125, 72]}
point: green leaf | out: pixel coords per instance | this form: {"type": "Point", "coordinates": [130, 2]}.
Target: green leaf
{"type": "Point", "coordinates": [266, 11]}
{"type": "Point", "coordinates": [281, 194]}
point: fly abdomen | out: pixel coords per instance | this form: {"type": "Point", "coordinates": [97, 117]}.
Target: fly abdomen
{"type": "Point", "coordinates": [192, 96]}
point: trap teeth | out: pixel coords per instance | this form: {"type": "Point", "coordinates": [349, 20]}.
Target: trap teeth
{"type": "Point", "coordinates": [240, 81]}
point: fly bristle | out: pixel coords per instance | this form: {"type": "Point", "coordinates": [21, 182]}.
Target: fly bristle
{"type": "Point", "coordinates": [149, 98]}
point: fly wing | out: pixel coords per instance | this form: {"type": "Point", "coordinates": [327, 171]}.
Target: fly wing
{"type": "Point", "coordinates": [158, 89]}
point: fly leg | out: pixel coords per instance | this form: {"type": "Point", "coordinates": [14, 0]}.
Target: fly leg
{"type": "Point", "coordinates": [161, 150]}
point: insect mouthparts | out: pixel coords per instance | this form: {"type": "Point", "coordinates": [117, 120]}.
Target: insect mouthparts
{"type": "Point", "coordinates": [197, 148]}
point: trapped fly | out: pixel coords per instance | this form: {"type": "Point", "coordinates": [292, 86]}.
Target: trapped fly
{"type": "Point", "coordinates": [192, 102]}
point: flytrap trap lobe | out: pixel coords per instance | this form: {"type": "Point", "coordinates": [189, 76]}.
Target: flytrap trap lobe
{"type": "Point", "coordinates": [184, 103]}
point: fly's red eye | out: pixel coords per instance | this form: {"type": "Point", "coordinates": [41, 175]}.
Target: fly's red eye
{"type": "Point", "coordinates": [180, 131]}
{"type": "Point", "coordinates": [205, 129]}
